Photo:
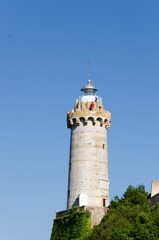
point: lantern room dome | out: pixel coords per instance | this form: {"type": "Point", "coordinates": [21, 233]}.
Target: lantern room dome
{"type": "Point", "coordinates": [89, 88]}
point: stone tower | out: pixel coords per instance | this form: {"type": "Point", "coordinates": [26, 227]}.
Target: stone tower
{"type": "Point", "coordinates": [88, 183]}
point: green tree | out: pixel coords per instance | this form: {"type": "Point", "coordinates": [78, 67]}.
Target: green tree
{"type": "Point", "coordinates": [128, 218]}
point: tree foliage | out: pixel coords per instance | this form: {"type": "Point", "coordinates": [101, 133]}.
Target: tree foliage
{"type": "Point", "coordinates": [128, 218]}
{"type": "Point", "coordinates": [73, 225]}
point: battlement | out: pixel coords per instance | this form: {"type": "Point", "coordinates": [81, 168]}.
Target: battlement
{"type": "Point", "coordinates": [83, 112]}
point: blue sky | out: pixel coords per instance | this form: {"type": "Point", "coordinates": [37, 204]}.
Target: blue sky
{"type": "Point", "coordinates": [44, 51]}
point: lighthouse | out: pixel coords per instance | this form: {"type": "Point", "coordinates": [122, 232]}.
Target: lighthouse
{"type": "Point", "coordinates": [88, 182]}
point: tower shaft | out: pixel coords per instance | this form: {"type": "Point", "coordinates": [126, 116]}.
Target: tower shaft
{"type": "Point", "coordinates": [88, 183]}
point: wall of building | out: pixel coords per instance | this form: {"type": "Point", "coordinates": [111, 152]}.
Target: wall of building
{"type": "Point", "coordinates": [97, 213]}
{"type": "Point", "coordinates": [153, 200]}
{"type": "Point", "coordinates": [154, 188]}
{"type": "Point", "coordinates": [88, 166]}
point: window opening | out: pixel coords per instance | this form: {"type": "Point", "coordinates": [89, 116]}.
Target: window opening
{"type": "Point", "coordinates": [104, 202]}
{"type": "Point", "coordinates": [70, 165]}
{"type": "Point", "coordinates": [68, 193]}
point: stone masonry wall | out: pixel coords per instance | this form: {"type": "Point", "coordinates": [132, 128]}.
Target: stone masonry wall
{"type": "Point", "coordinates": [88, 166]}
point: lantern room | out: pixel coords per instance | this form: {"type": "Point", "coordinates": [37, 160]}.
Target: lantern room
{"type": "Point", "coordinates": [89, 94]}
{"type": "Point", "coordinates": [89, 89]}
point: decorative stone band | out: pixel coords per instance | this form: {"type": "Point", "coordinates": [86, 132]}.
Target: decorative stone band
{"type": "Point", "coordinates": [83, 112]}
{"type": "Point", "coordinates": [104, 121]}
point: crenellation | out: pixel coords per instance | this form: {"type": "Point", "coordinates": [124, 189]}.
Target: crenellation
{"type": "Point", "coordinates": [82, 112]}
{"type": "Point", "coordinates": [82, 106]}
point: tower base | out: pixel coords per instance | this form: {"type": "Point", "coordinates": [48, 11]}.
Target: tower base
{"type": "Point", "coordinates": [97, 213]}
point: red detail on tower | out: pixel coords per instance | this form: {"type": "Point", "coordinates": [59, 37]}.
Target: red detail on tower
{"type": "Point", "coordinates": [92, 105]}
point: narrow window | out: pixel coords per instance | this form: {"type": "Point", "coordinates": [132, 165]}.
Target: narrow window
{"type": "Point", "coordinates": [70, 165]}
{"type": "Point", "coordinates": [103, 146]}
{"type": "Point", "coordinates": [104, 202]}
{"type": "Point", "coordinates": [68, 193]}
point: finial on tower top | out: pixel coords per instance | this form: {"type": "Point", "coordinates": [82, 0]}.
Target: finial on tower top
{"type": "Point", "coordinates": [89, 81]}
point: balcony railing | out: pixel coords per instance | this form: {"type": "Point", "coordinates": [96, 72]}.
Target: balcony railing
{"type": "Point", "coordinates": [89, 98]}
